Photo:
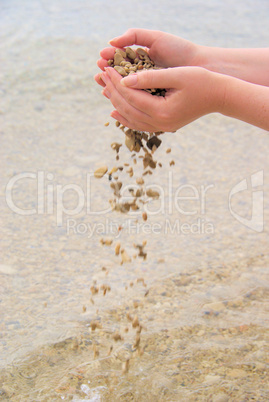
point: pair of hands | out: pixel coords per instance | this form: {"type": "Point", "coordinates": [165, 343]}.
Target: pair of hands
{"type": "Point", "coordinates": [191, 91]}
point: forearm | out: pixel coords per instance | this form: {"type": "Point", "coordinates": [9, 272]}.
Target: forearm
{"type": "Point", "coordinates": [245, 101]}
{"type": "Point", "coordinates": [251, 65]}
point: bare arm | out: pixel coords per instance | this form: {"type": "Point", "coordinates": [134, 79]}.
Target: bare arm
{"type": "Point", "coordinates": [193, 92]}
{"type": "Point", "coordinates": [246, 101]}
{"type": "Point", "coordinates": [251, 65]}
{"type": "Point", "coordinates": [168, 50]}
{"type": "Point", "coordinates": [199, 79]}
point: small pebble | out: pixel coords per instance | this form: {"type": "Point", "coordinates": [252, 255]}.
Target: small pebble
{"type": "Point", "coordinates": [135, 322]}
{"type": "Point", "coordinates": [125, 367]}
{"type": "Point", "coordinates": [125, 257]}
{"type": "Point", "coordinates": [100, 172]}
{"type": "Point", "coordinates": [144, 216]}
{"type": "Point", "coordinates": [94, 325]}
{"type": "Point", "coordinates": [117, 249]}
{"type": "Point", "coordinates": [117, 336]}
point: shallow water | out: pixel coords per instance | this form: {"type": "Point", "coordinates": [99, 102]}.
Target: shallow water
{"type": "Point", "coordinates": [205, 318]}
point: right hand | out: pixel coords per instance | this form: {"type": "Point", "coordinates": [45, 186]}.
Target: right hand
{"type": "Point", "coordinates": [166, 50]}
{"type": "Point", "coordinates": [191, 93]}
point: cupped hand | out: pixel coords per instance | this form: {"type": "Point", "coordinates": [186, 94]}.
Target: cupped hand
{"type": "Point", "coordinates": [191, 93]}
{"type": "Point", "coordinates": [166, 50]}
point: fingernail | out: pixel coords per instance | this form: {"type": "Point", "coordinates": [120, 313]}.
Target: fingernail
{"type": "Point", "coordinates": [129, 81]}
{"type": "Point", "coordinates": [103, 76]}
{"type": "Point", "coordinates": [114, 114]}
{"type": "Point", "coordinates": [112, 40]}
{"type": "Point", "coordinates": [108, 72]}
{"type": "Point", "coordinates": [106, 93]}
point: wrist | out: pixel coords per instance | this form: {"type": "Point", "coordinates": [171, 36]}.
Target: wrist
{"type": "Point", "coordinates": [204, 57]}
{"type": "Point", "coordinates": [218, 60]}
{"type": "Point", "coordinates": [243, 100]}
{"type": "Point", "coordinates": [217, 87]}
{"type": "Point", "coordinates": [195, 55]}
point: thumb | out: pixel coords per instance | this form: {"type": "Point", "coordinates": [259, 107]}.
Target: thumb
{"type": "Point", "coordinates": [136, 36]}
{"type": "Point", "coordinates": [164, 78]}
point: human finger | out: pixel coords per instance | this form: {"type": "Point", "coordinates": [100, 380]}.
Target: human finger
{"type": "Point", "coordinates": [108, 52]}
{"type": "Point", "coordinates": [98, 79]}
{"type": "Point", "coordinates": [141, 100]}
{"type": "Point", "coordinates": [102, 64]}
{"type": "Point", "coordinates": [134, 125]}
{"type": "Point", "coordinates": [136, 36]}
{"type": "Point", "coordinates": [120, 100]}
{"type": "Point", "coordinates": [164, 78]}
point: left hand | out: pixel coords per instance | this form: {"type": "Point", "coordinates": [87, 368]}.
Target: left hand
{"type": "Point", "coordinates": [164, 49]}
{"type": "Point", "coordinates": [191, 93]}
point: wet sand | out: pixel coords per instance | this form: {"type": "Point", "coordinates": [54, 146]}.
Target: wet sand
{"type": "Point", "coordinates": [194, 345]}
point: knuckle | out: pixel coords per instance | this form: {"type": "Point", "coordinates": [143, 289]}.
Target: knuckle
{"type": "Point", "coordinates": [146, 78]}
{"type": "Point", "coordinates": [129, 96]}
{"type": "Point", "coordinates": [131, 35]}
{"type": "Point", "coordinates": [130, 30]}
